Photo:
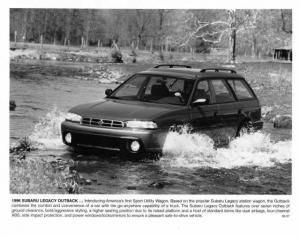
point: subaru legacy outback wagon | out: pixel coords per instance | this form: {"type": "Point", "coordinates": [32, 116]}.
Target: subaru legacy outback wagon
{"type": "Point", "coordinates": [137, 115]}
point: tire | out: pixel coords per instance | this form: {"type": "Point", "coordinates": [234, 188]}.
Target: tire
{"type": "Point", "coordinates": [140, 156]}
{"type": "Point", "coordinates": [245, 128]}
{"type": "Point", "coordinates": [153, 155]}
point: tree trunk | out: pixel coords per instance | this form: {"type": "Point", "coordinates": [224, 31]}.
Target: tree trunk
{"type": "Point", "coordinates": [16, 38]}
{"type": "Point", "coordinates": [87, 41]}
{"type": "Point", "coordinates": [232, 35]}
{"type": "Point", "coordinates": [42, 47]}
{"type": "Point", "coordinates": [151, 45]}
{"type": "Point", "coordinates": [24, 39]}
{"type": "Point", "coordinates": [166, 45]}
{"type": "Point", "coordinates": [115, 45]}
{"type": "Point", "coordinates": [82, 42]}
{"type": "Point", "coordinates": [68, 25]}
{"type": "Point", "coordinates": [45, 22]}
{"type": "Point", "coordinates": [192, 51]}
{"type": "Point", "coordinates": [133, 53]}
{"type": "Point", "coordinates": [138, 42]}
{"type": "Point", "coordinates": [232, 46]}
{"type": "Point", "coordinates": [253, 48]}
{"type": "Point", "coordinates": [41, 41]}
{"type": "Point", "coordinates": [24, 25]}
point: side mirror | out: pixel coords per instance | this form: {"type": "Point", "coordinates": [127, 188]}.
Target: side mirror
{"type": "Point", "coordinates": [200, 101]}
{"type": "Point", "coordinates": [108, 92]}
{"type": "Point", "coordinates": [177, 94]}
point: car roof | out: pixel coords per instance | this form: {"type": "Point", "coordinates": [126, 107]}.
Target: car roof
{"type": "Point", "coordinates": [192, 73]}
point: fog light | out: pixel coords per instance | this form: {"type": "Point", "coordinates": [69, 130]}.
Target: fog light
{"type": "Point", "coordinates": [135, 146]}
{"type": "Point", "coordinates": [68, 138]}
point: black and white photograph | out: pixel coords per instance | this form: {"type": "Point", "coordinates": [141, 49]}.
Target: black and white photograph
{"type": "Point", "coordinates": [150, 101]}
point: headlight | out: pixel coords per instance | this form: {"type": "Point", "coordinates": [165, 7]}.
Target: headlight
{"type": "Point", "coordinates": [141, 124]}
{"type": "Point", "coordinates": [73, 117]}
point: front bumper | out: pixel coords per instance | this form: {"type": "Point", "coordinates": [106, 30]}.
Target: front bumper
{"type": "Point", "coordinates": [113, 138]}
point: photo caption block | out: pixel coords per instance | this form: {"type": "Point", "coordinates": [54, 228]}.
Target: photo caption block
{"type": "Point", "coordinates": [146, 207]}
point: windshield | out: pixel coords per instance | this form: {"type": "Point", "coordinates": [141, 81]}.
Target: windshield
{"type": "Point", "coordinates": [155, 89]}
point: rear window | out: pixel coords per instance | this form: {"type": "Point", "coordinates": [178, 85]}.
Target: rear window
{"type": "Point", "coordinates": [240, 89]}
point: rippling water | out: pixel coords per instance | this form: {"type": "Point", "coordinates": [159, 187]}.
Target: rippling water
{"type": "Point", "coordinates": [258, 163]}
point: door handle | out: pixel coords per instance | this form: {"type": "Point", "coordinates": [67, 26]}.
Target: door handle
{"type": "Point", "coordinates": [215, 113]}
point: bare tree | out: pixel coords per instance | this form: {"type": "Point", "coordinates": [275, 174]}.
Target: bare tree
{"type": "Point", "coordinates": [67, 26]}
{"type": "Point", "coordinates": [256, 31]}
{"type": "Point", "coordinates": [229, 22]}
{"type": "Point", "coordinates": [87, 25]}
{"type": "Point", "coordinates": [139, 24]}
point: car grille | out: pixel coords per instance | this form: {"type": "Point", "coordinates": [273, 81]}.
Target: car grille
{"type": "Point", "coordinates": [102, 122]}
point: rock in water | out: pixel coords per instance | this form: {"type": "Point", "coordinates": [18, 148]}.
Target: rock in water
{"type": "Point", "coordinates": [12, 105]}
{"type": "Point", "coordinates": [283, 121]}
{"type": "Point", "coordinates": [131, 188]}
{"type": "Point", "coordinates": [87, 182]}
{"type": "Point", "coordinates": [158, 185]}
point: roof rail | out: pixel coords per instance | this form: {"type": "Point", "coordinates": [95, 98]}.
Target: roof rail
{"type": "Point", "coordinates": [217, 70]}
{"type": "Point", "coordinates": [172, 65]}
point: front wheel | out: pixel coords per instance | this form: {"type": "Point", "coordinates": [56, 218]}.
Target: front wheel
{"type": "Point", "coordinates": [141, 156]}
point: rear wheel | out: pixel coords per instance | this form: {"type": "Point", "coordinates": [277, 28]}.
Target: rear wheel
{"type": "Point", "coordinates": [245, 128]}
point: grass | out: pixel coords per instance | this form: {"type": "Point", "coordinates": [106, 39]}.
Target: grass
{"type": "Point", "coordinates": [33, 177]}
{"type": "Point", "coordinates": [29, 176]}
{"type": "Point", "coordinates": [39, 177]}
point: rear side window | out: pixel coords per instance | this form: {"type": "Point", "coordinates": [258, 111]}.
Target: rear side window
{"type": "Point", "coordinates": [240, 89]}
{"type": "Point", "coordinates": [222, 93]}
{"type": "Point", "coordinates": [202, 91]}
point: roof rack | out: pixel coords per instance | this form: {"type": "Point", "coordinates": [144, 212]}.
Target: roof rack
{"type": "Point", "coordinates": [217, 70]}
{"type": "Point", "coordinates": [172, 65]}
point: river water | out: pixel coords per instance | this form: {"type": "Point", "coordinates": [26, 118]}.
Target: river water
{"type": "Point", "coordinates": [258, 163]}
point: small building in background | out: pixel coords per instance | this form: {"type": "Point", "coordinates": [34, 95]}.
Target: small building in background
{"type": "Point", "coordinates": [283, 53]}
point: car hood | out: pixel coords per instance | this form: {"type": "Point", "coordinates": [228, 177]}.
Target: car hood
{"type": "Point", "coordinates": [123, 110]}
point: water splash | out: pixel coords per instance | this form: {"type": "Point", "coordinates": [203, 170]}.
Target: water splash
{"type": "Point", "coordinates": [186, 149]}
{"type": "Point", "coordinates": [197, 150]}
{"type": "Point", "coordinates": [47, 133]}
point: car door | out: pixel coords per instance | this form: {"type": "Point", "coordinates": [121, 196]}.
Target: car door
{"type": "Point", "coordinates": [228, 113]}
{"type": "Point", "coordinates": [249, 107]}
{"type": "Point", "coordinates": [179, 115]}
{"type": "Point", "coordinates": [204, 117]}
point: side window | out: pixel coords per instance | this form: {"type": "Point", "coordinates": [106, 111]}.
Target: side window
{"type": "Point", "coordinates": [175, 84]}
{"type": "Point", "coordinates": [171, 84]}
{"type": "Point", "coordinates": [222, 93]}
{"type": "Point", "coordinates": [240, 89]}
{"type": "Point", "coordinates": [202, 91]}
{"type": "Point", "coordinates": [154, 80]}
{"type": "Point", "coordinates": [162, 90]}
